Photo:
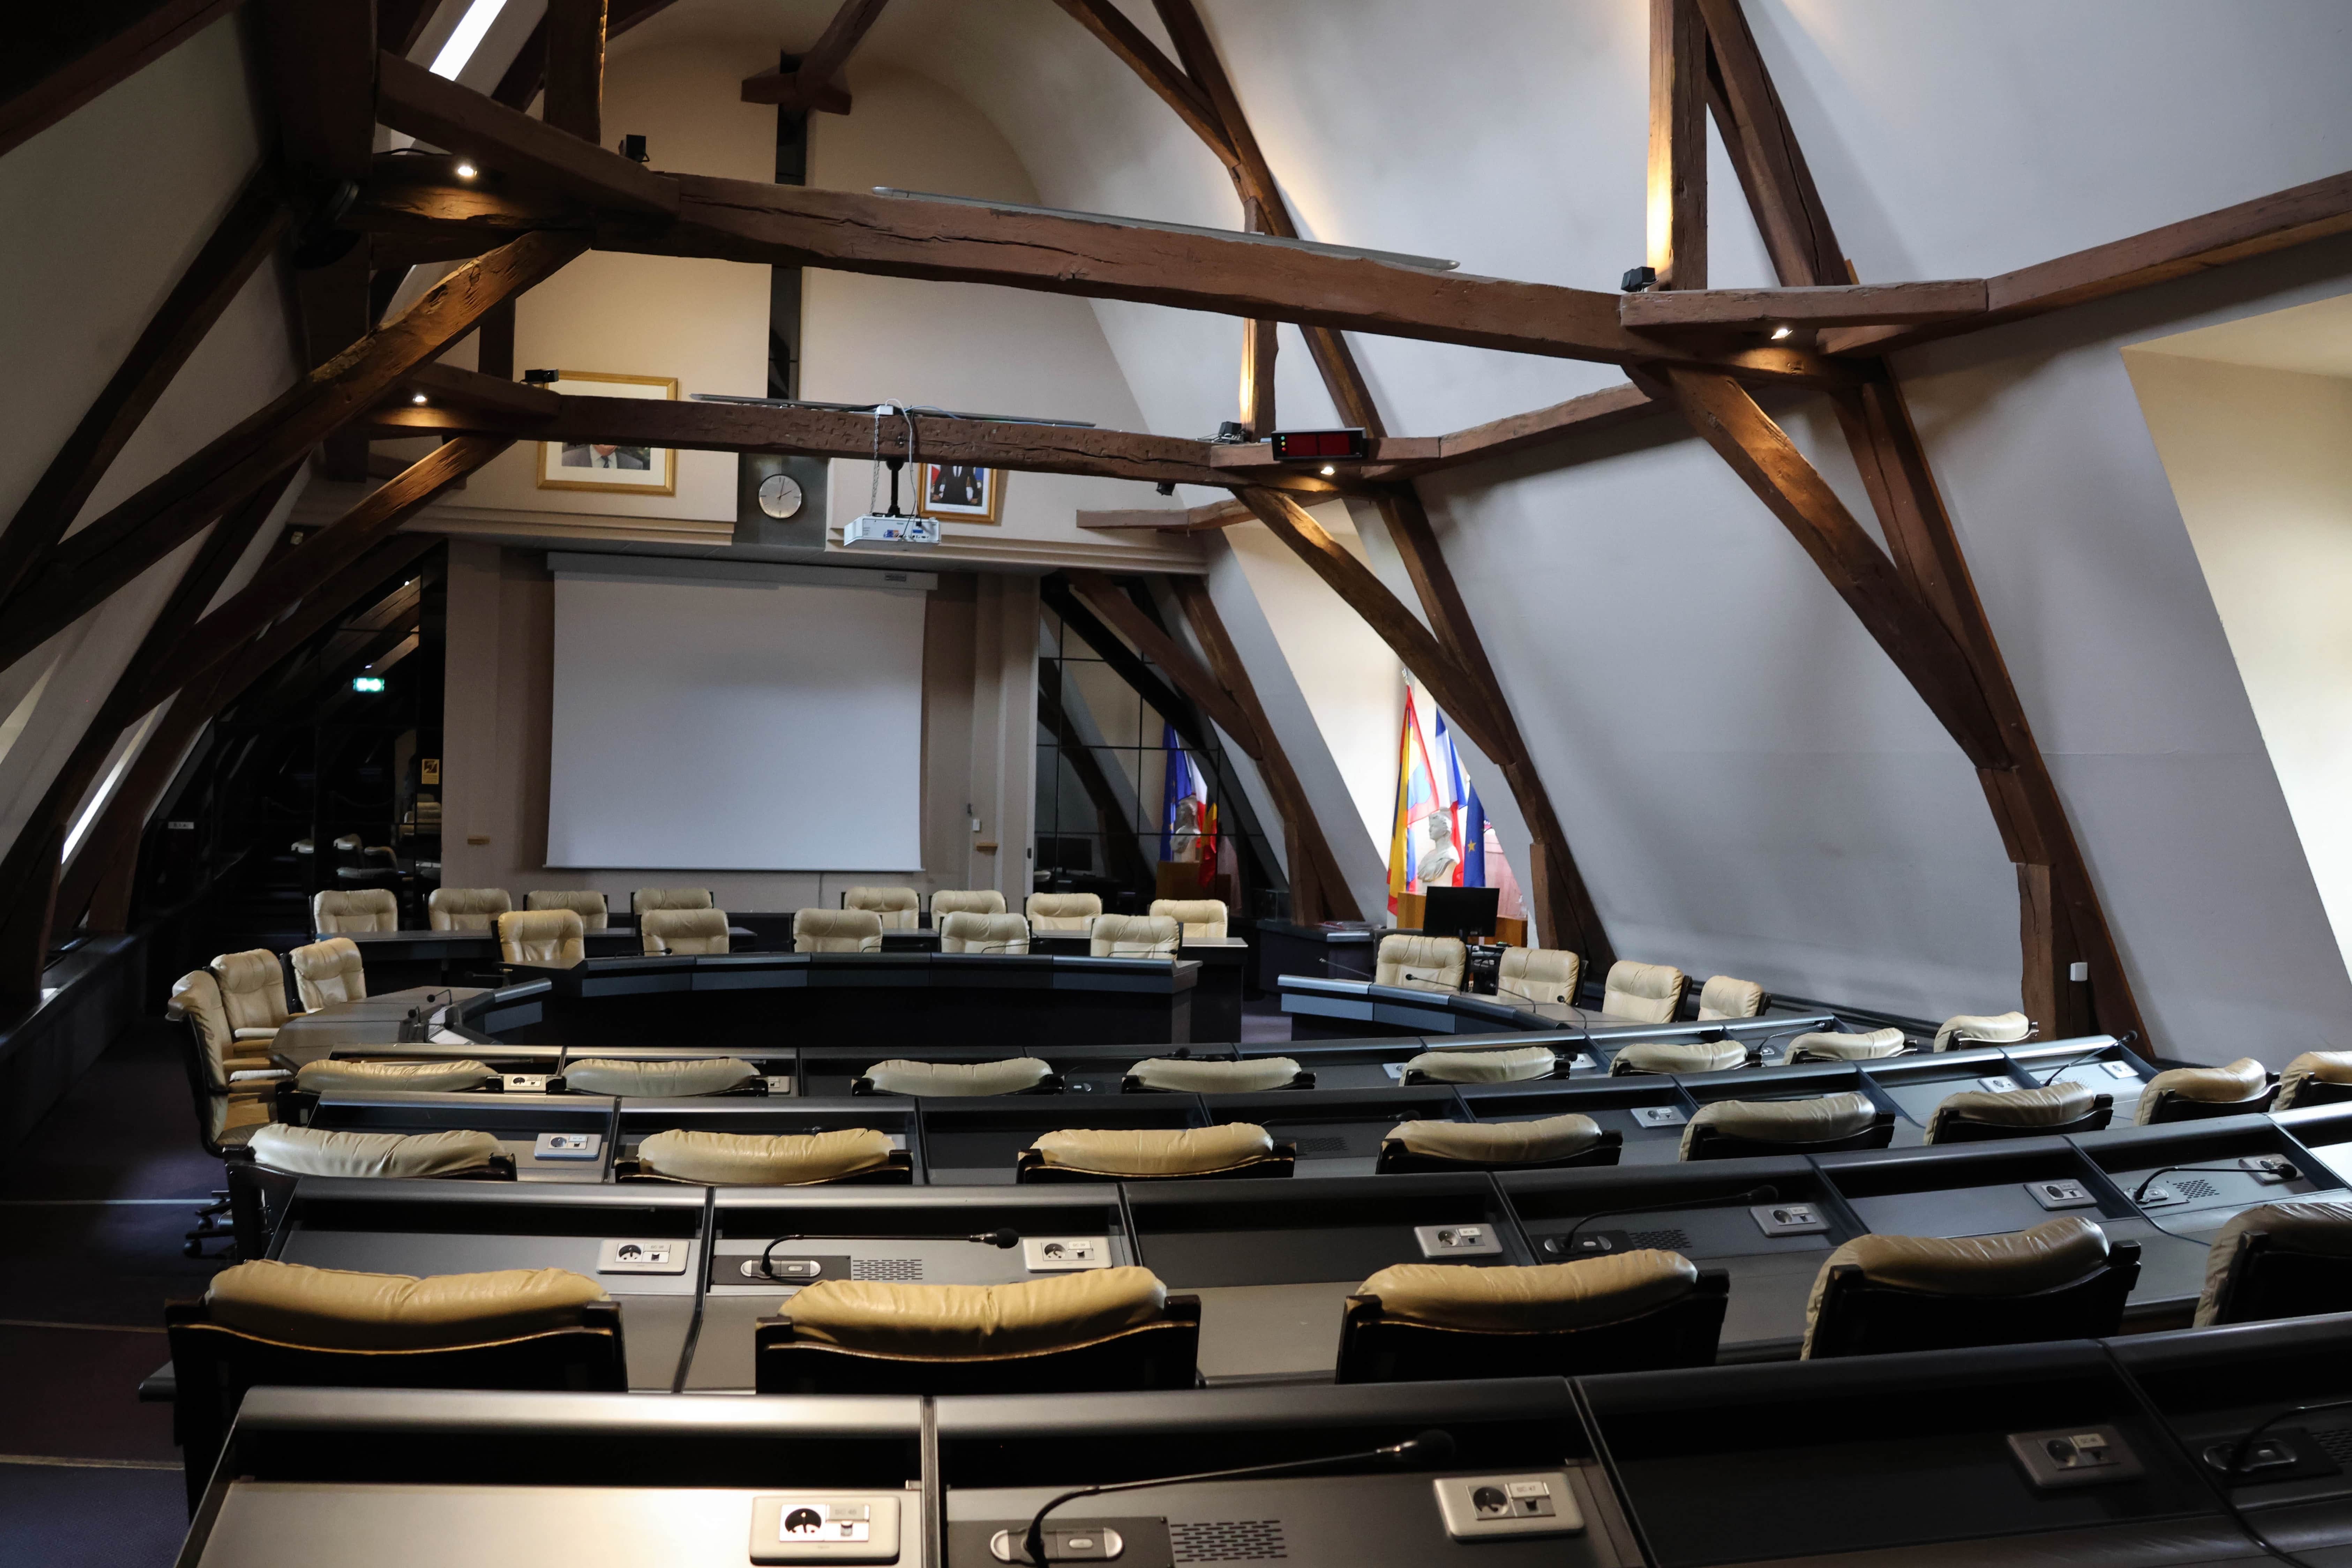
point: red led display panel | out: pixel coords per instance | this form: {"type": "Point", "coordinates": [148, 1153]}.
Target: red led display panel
{"type": "Point", "coordinates": [1317, 445]}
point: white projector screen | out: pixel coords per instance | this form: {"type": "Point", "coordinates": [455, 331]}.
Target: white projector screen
{"type": "Point", "coordinates": [736, 726]}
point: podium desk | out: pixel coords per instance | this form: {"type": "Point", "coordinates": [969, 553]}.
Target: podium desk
{"type": "Point", "coordinates": [1319, 951]}
{"type": "Point", "coordinates": [1752, 1084]}
{"type": "Point", "coordinates": [765, 1116]}
{"type": "Point", "coordinates": [440, 957]}
{"type": "Point", "coordinates": [976, 1142]}
{"type": "Point", "coordinates": [1648, 1113]}
{"type": "Point", "coordinates": [1338, 1132]}
{"type": "Point", "coordinates": [377, 1020]}
{"type": "Point", "coordinates": [918, 1234]}
{"type": "Point", "coordinates": [1706, 1213]}
{"type": "Point", "coordinates": [516, 1120]}
{"type": "Point", "coordinates": [385, 1227]}
{"type": "Point", "coordinates": [778, 1064]}
{"type": "Point", "coordinates": [2176, 1220]}
{"type": "Point", "coordinates": [1274, 1261]}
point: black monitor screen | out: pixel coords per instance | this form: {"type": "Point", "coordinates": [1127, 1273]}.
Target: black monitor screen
{"type": "Point", "coordinates": [1461, 912]}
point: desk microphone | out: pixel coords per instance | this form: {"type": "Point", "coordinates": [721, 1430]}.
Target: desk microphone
{"type": "Point", "coordinates": [1431, 1448]}
{"type": "Point", "coordinates": [1764, 1195]}
{"type": "Point", "coordinates": [2274, 1165]}
{"type": "Point", "coordinates": [985, 1239]}
{"type": "Point", "coordinates": [2092, 1055]}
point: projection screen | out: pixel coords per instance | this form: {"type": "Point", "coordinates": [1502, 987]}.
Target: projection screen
{"type": "Point", "coordinates": [735, 724]}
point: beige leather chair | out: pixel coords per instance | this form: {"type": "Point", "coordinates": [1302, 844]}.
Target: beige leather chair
{"type": "Point", "coordinates": [1133, 936]}
{"type": "Point", "coordinates": [253, 991]}
{"type": "Point", "coordinates": [332, 1074]}
{"type": "Point", "coordinates": [849, 1154]}
{"type": "Point", "coordinates": [1181, 1075]}
{"type": "Point", "coordinates": [2279, 1260]}
{"type": "Point", "coordinates": [337, 911]}
{"type": "Point", "coordinates": [668, 1079]}
{"type": "Point", "coordinates": [1977, 1116]}
{"type": "Point", "coordinates": [1636, 1311]}
{"type": "Point", "coordinates": [1665, 1056]}
{"type": "Point", "coordinates": [585, 903]}
{"type": "Point", "coordinates": [967, 902]}
{"type": "Point", "coordinates": [2315, 1077]}
{"type": "Point", "coordinates": [1543, 1143]}
{"type": "Point", "coordinates": [646, 898]}
{"type": "Point", "coordinates": [232, 1080]}
{"type": "Point", "coordinates": [1538, 976]}
{"type": "Point", "coordinates": [683, 930]}
{"type": "Point", "coordinates": [544, 939]}
{"type": "Point", "coordinates": [963, 930]}
{"type": "Point", "coordinates": [836, 930]}
{"type": "Point", "coordinates": [1072, 914]}
{"type": "Point", "coordinates": [1092, 1330]}
{"type": "Point", "coordinates": [900, 909]}
{"type": "Point", "coordinates": [2194, 1094]}
{"type": "Point", "coordinates": [328, 973]}
{"type": "Point", "coordinates": [1644, 993]}
{"type": "Point", "coordinates": [1510, 1066]}
{"type": "Point", "coordinates": [319, 1151]}
{"type": "Point", "coordinates": [1876, 1045]}
{"type": "Point", "coordinates": [467, 909]}
{"type": "Point", "coordinates": [1962, 1030]}
{"type": "Point", "coordinates": [1821, 1124]}
{"type": "Point", "coordinates": [1203, 920]}
{"type": "Point", "coordinates": [267, 1323]}
{"type": "Point", "coordinates": [1155, 1154]}
{"type": "Point", "coordinates": [2060, 1280]}
{"type": "Point", "coordinates": [1724, 998]}
{"type": "Point", "coordinates": [1420, 962]}
{"type": "Point", "coordinates": [960, 1080]}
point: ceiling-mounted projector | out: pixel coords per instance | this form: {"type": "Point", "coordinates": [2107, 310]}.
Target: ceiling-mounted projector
{"type": "Point", "coordinates": [885, 531]}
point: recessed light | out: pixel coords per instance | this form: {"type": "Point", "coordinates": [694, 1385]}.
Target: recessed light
{"type": "Point", "coordinates": [1328, 471]}
{"type": "Point", "coordinates": [466, 170]}
{"type": "Point", "coordinates": [418, 400]}
{"type": "Point", "coordinates": [1779, 332]}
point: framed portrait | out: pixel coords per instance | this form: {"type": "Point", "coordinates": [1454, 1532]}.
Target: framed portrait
{"type": "Point", "coordinates": [958, 492]}
{"type": "Point", "coordinates": [589, 466]}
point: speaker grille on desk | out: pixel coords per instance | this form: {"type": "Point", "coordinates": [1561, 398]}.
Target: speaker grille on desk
{"type": "Point", "coordinates": [2336, 1442]}
{"type": "Point", "coordinates": [1227, 1541]}
{"type": "Point", "coordinates": [1666, 1240]}
{"type": "Point", "coordinates": [1324, 1145]}
{"type": "Point", "coordinates": [2195, 1187]}
{"type": "Point", "coordinates": [897, 1270]}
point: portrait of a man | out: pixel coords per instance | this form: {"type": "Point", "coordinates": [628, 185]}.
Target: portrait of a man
{"type": "Point", "coordinates": [961, 493]}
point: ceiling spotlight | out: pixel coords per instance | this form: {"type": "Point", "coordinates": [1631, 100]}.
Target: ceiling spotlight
{"type": "Point", "coordinates": [1327, 470]}
{"type": "Point", "coordinates": [418, 400]}
{"type": "Point", "coordinates": [466, 171]}
{"type": "Point", "coordinates": [1779, 332]}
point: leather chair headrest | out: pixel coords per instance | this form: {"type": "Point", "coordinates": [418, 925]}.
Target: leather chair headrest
{"type": "Point", "coordinates": [1990, 1028]}
{"type": "Point", "coordinates": [966, 902]}
{"type": "Point", "coordinates": [1484, 1067]}
{"type": "Point", "coordinates": [1724, 998]}
{"type": "Point", "coordinates": [658, 1080]}
{"type": "Point", "coordinates": [585, 903]}
{"type": "Point", "coordinates": [1647, 992]}
{"type": "Point", "coordinates": [1816, 1119]}
{"type": "Point", "coordinates": [683, 930]}
{"type": "Point", "coordinates": [964, 1320]}
{"type": "Point", "coordinates": [1668, 1057]}
{"type": "Point", "coordinates": [329, 1076]}
{"type": "Point", "coordinates": [784, 1160]}
{"type": "Point", "coordinates": [836, 930]}
{"type": "Point", "coordinates": [318, 1151]}
{"type": "Point", "coordinates": [2242, 1079]}
{"type": "Point", "coordinates": [337, 955]}
{"type": "Point", "coordinates": [1187, 1077]}
{"type": "Point", "coordinates": [2052, 1105]}
{"type": "Point", "coordinates": [1133, 936]}
{"type": "Point", "coordinates": [257, 970]}
{"type": "Point", "coordinates": [336, 1308]}
{"type": "Point", "coordinates": [1155, 1151]}
{"type": "Point", "coordinates": [1425, 962]}
{"type": "Point", "coordinates": [1061, 911]}
{"type": "Point", "coordinates": [548, 937]}
{"type": "Point", "coordinates": [1543, 976]}
{"type": "Point", "coordinates": [1532, 1143]}
{"type": "Point", "coordinates": [2322, 1230]}
{"type": "Point", "coordinates": [1831, 1046]}
{"type": "Point", "coordinates": [646, 898]}
{"type": "Point", "coordinates": [2021, 1263]}
{"type": "Point", "coordinates": [357, 909]}
{"type": "Point", "coordinates": [1532, 1299]}
{"type": "Point", "coordinates": [1202, 920]}
{"type": "Point", "coordinates": [947, 1080]}
{"type": "Point", "coordinates": [967, 932]}
{"type": "Point", "coordinates": [2312, 1066]}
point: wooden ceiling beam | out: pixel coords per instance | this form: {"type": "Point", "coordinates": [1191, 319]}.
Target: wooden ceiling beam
{"type": "Point", "coordinates": [1762, 309]}
{"type": "Point", "coordinates": [322, 63]}
{"type": "Point", "coordinates": [1193, 520]}
{"type": "Point", "coordinates": [1772, 170]}
{"type": "Point", "coordinates": [527, 72]}
{"type": "Point", "coordinates": [1602, 410]}
{"type": "Point", "coordinates": [575, 69]}
{"type": "Point", "coordinates": [62, 56]}
{"type": "Point", "coordinates": [814, 84]}
{"type": "Point", "coordinates": [243, 239]}
{"type": "Point", "coordinates": [1677, 174]}
{"type": "Point", "coordinates": [502, 141]}
{"type": "Point", "coordinates": [1179, 92]}
{"type": "Point", "coordinates": [491, 393]}
{"type": "Point", "coordinates": [94, 562]}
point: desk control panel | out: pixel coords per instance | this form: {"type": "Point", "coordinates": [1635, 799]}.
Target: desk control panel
{"type": "Point", "coordinates": [1480, 1508]}
{"type": "Point", "coordinates": [859, 1527]}
{"type": "Point", "coordinates": [2088, 1456]}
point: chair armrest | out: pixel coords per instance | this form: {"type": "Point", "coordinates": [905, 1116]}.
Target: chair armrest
{"type": "Point", "coordinates": [260, 1075]}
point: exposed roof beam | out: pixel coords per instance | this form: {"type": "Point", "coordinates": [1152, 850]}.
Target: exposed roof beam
{"type": "Point", "coordinates": [1677, 183]}
{"type": "Point", "coordinates": [1193, 520]}
{"type": "Point", "coordinates": [527, 72]}
{"type": "Point", "coordinates": [62, 56]}
{"type": "Point", "coordinates": [1765, 154]}
{"type": "Point", "coordinates": [322, 62]}
{"type": "Point", "coordinates": [1116, 610]}
{"type": "Point", "coordinates": [575, 69]}
{"type": "Point", "coordinates": [1163, 76]}
{"type": "Point", "coordinates": [1763, 310]}
{"type": "Point", "coordinates": [413, 101]}
{"type": "Point", "coordinates": [813, 85]}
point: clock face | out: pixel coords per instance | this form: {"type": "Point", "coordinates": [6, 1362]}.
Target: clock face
{"type": "Point", "coordinates": [779, 495]}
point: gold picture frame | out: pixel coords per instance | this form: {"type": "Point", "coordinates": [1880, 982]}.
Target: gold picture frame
{"type": "Point", "coordinates": [947, 491]}
{"type": "Point", "coordinates": [621, 470]}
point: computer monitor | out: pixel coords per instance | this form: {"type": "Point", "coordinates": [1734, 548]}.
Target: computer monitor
{"type": "Point", "coordinates": [1461, 912]}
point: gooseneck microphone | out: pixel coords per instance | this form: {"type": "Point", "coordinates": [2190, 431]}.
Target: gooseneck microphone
{"type": "Point", "coordinates": [985, 1238]}
{"type": "Point", "coordinates": [1763, 1195]}
{"type": "Point", "coordinates": [1431, 1448]}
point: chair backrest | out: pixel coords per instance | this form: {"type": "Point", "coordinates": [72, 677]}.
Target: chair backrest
{"type": "Point", "coordinates": [1133, 936]}
{"type": "Point", "coordinates": [515, 1329]}
{"type": "Point", "coordinates": [1831, 1047]}
{"type": "Point", "coordinates": [1091, 1330]}
{"type": "Point", "coordinates": [196, 1004]}
{"type": "Point", "coordinates": [1977, 1116]}
{"type": "Point", "coordinates": [403, 1156]}
{"type": "Point", "coordinates": [1185, 1075]}
{"type": "Point", "coordinates": [253, 989]}
{"type": "Point", "coordinates": [2279, 1260]}
{"type": "Point", "coordinates": [1724, 998]}
{"type": "Point", "coordinates": [1235, 1149]}
{"type": "Point", "coordinates": [683, 930]}
{"type": "Point", "coordinates": [1061, 911]}
{"type": "Point", "coordinates": [966, 902]}
{"type": "Point", "coordinates": [960, 1080]}
{"type": "Point", "coordinates": [1513, 1064]}
{"type": "Point", "coordinates": [2060, 1280]}
{"type": "Point", "coordinates": [901, 909]}
{"type": "Point", "coordinates": [646, 898]}
{"type": "Point", "coordinates": [1203, 920]}
{"type": "Point", "coordinates": [1821, 1125]}
{"type": "Point", "coordinates": [1425, 962]}
{"type": "Point", "coordinates": [963, 930]}
{"type": "Point", "coordinates": [327, 972]}
{"type": "Point", "coordinates": [1539, 975]}
{"type": "Point", "coordinates": [1636, 1311]}
{"type": "Point", "coordinates": [358, 909]}
{"type": "Point", "coordinates": [1964, 1030]}
{"type": "Point", "coordinates": [1664, 1057]}
{"type": "Point", "coordinates": [1645, 993]}
{"type": "Point", "coordinates": [2315, 1077]}
{"type": "Point", "coordinates": [585, 903]}
{"type": "Point", "coordinates": [2194, 1094]}
{"type": "Point", "coordinates": [857, 1154]}
{"type": "Point", "coordinates": [676, 1078]}
{"type": "Point", "coordinates": [548, 939]}
{"type": "Point", "coordinates": [836, 930]}
{"type": "Point", "coordinates": [467, 909]}
{"type": "Point", "coordinates": [1547, 1142]}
